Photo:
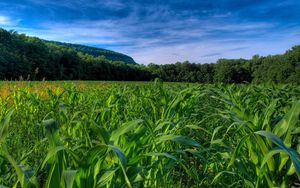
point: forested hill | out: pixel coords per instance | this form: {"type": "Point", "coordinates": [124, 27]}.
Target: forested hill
{"type": "Point", "coordinates": [31, 58]}
{"type": "Point", "coordinates": [110, 55]}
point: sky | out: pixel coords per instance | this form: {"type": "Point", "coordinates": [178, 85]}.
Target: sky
{"type": "Point", "coordinates": [162, 31]}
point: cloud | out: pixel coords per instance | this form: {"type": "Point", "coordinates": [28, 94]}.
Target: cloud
{"type": "Point", "coordinates": [209, 51]}
{"type": "Point", "coordinates": [7, 21]}
{"type": "Point", "coordinates": [145, 35]}
{"type": "Point", "coordinates": [163, 31]}
{"type": "Point", "coordinates": [172, 41]}
{"type": "Point", "coordinates": [4, 20]}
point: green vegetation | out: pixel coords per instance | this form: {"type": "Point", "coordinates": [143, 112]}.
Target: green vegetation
{"type": "Point", "coordinates": [109, 134]}
{"type": "Point", "coordinates": [108, 54]}
{"type": "Point", "coordinates": [29, 58]}
{"type": "Point", "coordinates": [276, 69]}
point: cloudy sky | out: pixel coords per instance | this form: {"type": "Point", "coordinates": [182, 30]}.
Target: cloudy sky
{"type": "Point", "coordinates": [162, 31]}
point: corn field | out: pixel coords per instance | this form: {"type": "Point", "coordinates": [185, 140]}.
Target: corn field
{"type": "Point", "coordinates": [98, 134]}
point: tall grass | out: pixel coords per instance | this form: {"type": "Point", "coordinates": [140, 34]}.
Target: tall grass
{"type": "Point", "coordinates": [150, 135]}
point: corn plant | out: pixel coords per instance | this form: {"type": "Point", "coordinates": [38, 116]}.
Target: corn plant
{"type": "Point", "coordinates": [117, 134]}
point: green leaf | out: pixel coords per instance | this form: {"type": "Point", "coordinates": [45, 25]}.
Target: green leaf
{"type": "Point", "coordinates": [269, 155]}
{"type": "Point", "coordinates": [178, 139]}
{"type": "Point", "coordinates": [213, 141]}
{"type": "Point", "coordinates": [51, 127]}
{"type": "Point", "coordinates": [106, 177]}
{"type": "Point", "coordinates": [51, 153]}
{"type": "Point", "coordinates": [123, 161]}
{"type": "Point", "coordinates": [69, 177]}
{"type": "Point", "coordinates": [125, 128]}
{"type": "Point", "coordinates": [161, 155]}
{"type": "Point", "coordinates": [237, 149]}
{"type": "Point", "coordinates": [4, 126]}
{"type": "Point", "coordinates": [121, 156]}
{"type": "Point", "coordinates": [265, 149]}
{"type": "Point", "coordinates": [220, 174]}
{"type": "Point", "coordinates": [161, 125]}
{"type": "Point", "coordinates": [54, 177]}
{"type": "Point", "coordinates": [292, 153]}
{"type": "Point", "coordinates": [287, 124]}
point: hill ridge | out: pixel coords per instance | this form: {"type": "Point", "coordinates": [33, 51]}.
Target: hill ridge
{"type": "Point", "coordinates": [96, 51]}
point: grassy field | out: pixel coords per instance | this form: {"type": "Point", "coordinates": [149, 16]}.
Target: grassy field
{"type": "Point", "coordinates": [148, 134]}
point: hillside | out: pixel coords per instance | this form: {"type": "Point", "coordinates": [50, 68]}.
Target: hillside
{"type": "Point", "coordinates": [31, 58]}
{"type": "Point", "coordinates": [110, 55]}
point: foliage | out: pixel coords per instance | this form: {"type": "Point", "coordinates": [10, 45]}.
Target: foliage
{"type": "Point", "coordinates": [28, 58]}
{"type": "Point", "coordinates": [136, 134]}
{"type": "Point", "coordinates": [108, 54]}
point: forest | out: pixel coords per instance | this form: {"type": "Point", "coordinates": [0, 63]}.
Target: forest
{"type": "Point", "coordinates": [30, 58]}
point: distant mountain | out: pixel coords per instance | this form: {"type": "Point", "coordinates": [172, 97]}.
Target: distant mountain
{"type": "Point", "coordinates": [110, 55]}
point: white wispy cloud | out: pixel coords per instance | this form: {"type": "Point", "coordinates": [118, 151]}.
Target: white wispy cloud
{"type": "Point", "coordinates": [178, 41]}
{"type": "Point", "coordinates": [209, 51]}
{"type": "Point", "coordinates": [158, 33]}
{"type": "Point", "coordinates": [7, 21]}
{"type": "Point", "coordinates": [145, 35]}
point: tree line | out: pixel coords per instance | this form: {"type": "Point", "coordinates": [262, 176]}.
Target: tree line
{"type": "Point", "coordinates": [283, 68]}
{"type": "Point", "coordinates": [30, 58]}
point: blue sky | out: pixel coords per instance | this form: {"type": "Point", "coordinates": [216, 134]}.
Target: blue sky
{"type": "Point", "coordinates": [162, 31]}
